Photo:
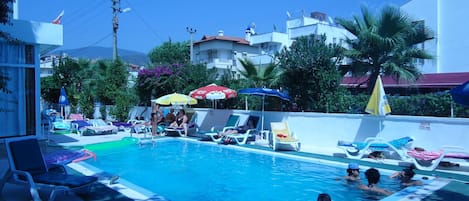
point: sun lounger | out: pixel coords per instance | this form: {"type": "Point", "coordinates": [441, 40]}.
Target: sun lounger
{"type": "Point", "coordinates": [429, 160]}
{"type": "Point", "coordinates": [283, 138]}
{"type": "Point", "coordinates": [60, 126]}
{"type": "Point", "coordinates": [74, 117]}
{"type": "Point", "coordinates": [174, 132]}
{"type": "Point", "coordinates": [27, 167]}
{"type": "Point", "coordinates": [94, 127]}
{"type": "Point", "coordinates": [241, 137]}
{"type": "Point", "coordinates": [231, 123]}
{"type": "Point", "coordinates": [357, 150]}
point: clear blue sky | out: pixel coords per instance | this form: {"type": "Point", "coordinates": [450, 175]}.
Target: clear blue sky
{"type": "Point", "coordinates": [152, 22]}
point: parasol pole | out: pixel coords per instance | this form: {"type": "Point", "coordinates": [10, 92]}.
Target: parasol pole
{"type": "Point", "coordinates": [452, 109]}
{"type": "Point", "coordinates": [246, 103]}
{"type": "Point", "coordinates": [262, 124]}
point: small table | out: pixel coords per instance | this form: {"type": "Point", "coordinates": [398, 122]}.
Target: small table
{"type": "Point", "coordinates": [263, 138]}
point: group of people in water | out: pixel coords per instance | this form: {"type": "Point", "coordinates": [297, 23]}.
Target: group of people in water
{"type": "Point", "coordinates": [373, 176]}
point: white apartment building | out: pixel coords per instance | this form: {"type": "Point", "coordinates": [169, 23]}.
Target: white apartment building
{"type": "Point", "coordinates": [447, 20]}
{"type": "Point", "coordinates": [317, 24]}
{"type": "Point", "coordinates": [222, 52]}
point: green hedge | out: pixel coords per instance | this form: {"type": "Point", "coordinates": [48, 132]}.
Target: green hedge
{"type": "Point", "coordinates": [436, 104]}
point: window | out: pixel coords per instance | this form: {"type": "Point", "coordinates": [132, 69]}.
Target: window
{"type": "Point", "coordinates": [17, 90]}
{"type": "Point", "coordinates": [29, 54]}
{"type": "Point", "coordinates": [212, 54]}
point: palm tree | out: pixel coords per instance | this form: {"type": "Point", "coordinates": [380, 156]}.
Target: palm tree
{"type": "Point", "coordinates": [386, 44]}
{"type": "Point", "coordinates": [259, 77]}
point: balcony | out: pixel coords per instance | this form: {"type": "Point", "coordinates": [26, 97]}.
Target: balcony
{"type": "Point", "coordinates": [273, 37]}
{"type": "Point", "coordinates": [48, 36]}
{"type": "Point", "coordinates": [218, 63]}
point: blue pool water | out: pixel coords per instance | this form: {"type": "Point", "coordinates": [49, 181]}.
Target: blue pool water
{"type": "Point", "coordinates": [182, 170]}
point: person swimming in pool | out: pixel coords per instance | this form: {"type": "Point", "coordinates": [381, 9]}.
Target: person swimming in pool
{"type": "Point", "coordinates": [405, 176]}
{"type": "Point", "coordinates": [353, 172]}
{"type": "Point", "coordinates": [373, 175]}
{"type": "Point", "coordinates": [324, 197]}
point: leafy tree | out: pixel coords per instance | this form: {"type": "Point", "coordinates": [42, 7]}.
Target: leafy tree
{"type": "Point", "coordinates": [113, 81]}
{"type": "Point", "coordinates": [5, 11]}
{"type": "Point", "coordinates": [170, 53]}
{"type": "Point", "coordinates": [154, 82]}
{"type": "Point", "coordinates": [86, 102]}
{"type": "Point", "coordinates": [5, 16]}
{"type": "Point", "coordinates": [195, 76]}
{"type": "Point", "coordinates": [124, 101]}
{"type": "Point", "coordinates": [229, 79]}
{"type": "Point", "coordinates": [386, 44]}
{"type": "Point", "coordinates": [65, 71]}
{"type": "Point", "coordinates": [258, 76]}
{"type": "Point", "coordinates": [310, 73]}
{"type": "Point", "coordinates": [4, 78]}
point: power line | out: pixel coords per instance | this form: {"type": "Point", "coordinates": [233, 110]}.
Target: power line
{"type": "Point", "coordinates": [92, 44]}
{"type": "Point", "coordinates": [85, 15]}
{"type": "Point", "coordinates": [144, 21]}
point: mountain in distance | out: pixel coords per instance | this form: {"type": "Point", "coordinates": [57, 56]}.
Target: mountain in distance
{"type": "Point", "coordinates": [96, 52]}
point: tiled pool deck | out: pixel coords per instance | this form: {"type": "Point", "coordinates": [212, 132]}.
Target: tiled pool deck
{"type": "Point", "coordinates": [449, 185]}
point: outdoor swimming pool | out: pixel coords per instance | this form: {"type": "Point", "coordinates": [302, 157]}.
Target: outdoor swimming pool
{"type": "Point", "coordinates": [182, 170]}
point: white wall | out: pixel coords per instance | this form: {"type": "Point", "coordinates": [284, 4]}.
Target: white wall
{"type": "Point", "coordinates": [323, 131]}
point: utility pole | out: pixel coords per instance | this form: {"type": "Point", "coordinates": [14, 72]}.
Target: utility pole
{"type": "Point", "coordinates": [116, 8]}
{"type": "Point", "coordinates": [191, 32]}
{"type": "Point", "coordinates": [115, 26]}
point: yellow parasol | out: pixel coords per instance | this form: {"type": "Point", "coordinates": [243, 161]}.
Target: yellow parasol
{"type": "Point", "coordinates": [378, 104]}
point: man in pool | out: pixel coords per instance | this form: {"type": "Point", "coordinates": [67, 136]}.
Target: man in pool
{"type": "Point", "coordinates": [353, 172]}
{"type": "Point", "coordinates": [406, 176]}
{"type": "Point", "coordinates": [373, 175]}
{"type": "Point", "coordinates": [324, 197]}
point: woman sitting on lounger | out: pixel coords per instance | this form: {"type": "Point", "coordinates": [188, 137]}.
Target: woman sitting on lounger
{"type": "Point", "coordinates": [239, 129]}
{"type": "Point", "coordinates": [181, 121]}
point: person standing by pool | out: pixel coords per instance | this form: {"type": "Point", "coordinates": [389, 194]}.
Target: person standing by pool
{"type": "Point", "coordinates": [406, 176]}
{"type": "Point", "coordinates": [373, 175]}
{"type": "Point", "coordinates": [156, 117]}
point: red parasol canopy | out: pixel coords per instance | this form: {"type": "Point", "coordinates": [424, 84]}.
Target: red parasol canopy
{"type": "Point", "coordinates": [213, 92]}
